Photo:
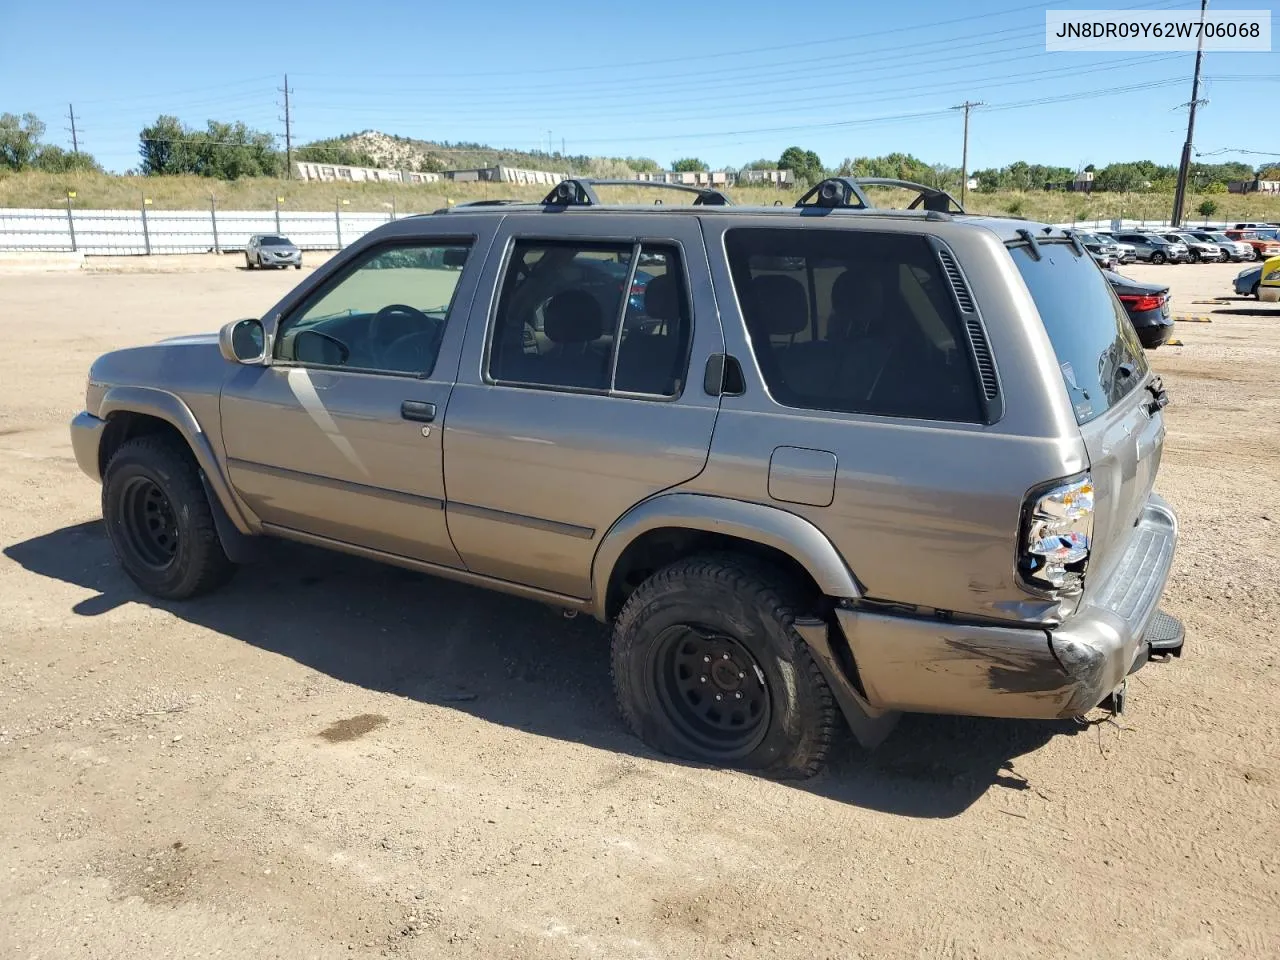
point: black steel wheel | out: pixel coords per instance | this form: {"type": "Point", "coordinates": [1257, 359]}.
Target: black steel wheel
{"type": "Point", "coordinates": [708, 666]}
{"type": "Point", "coordinates": [711, 689]}
{"type": "Point", "coordinates": [159, 519]}
{"type": "Point", "coordinates": [148, 523]}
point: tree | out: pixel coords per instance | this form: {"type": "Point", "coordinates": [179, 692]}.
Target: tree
{"type": "Point", "coordinates": [1269, 173]}
{"type": "Point", "coordinates": [1207, 209]}
{"type": "Point", "coordinates": [19, 140]}
{"type": "Point", "coordinates": [688, 165]}
{"type": "Point", "coordinates": [224, 150]}
{"type": "Point", "coordinates": [53, 159]}
{"type": "Point", "coordinates": [804, 164]}
{"type": "Point", "coordinates": [761, 165]}
{"type": "Point", "coordinates": [163, 147]}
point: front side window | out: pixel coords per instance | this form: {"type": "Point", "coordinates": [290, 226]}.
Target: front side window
{"type": "Point", "coordinates": [388, 314]}
{"type": "Point", "coordinates": [853, 322]}
{"type": "Point", "coordinates": [591, 316]}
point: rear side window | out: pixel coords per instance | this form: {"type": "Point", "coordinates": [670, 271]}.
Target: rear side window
{"type": "Point", "coordinates": [853, 322]}
{"type": "Point", "coordinates": [593, 317]}
{"type": "Point", "coordinates": [1097, 348]}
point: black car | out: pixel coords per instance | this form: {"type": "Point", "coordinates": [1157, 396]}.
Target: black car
{"type": "Point", "coordinates": [1103, 250]}
{"type": "Point", "coordinates": [1148, 307]}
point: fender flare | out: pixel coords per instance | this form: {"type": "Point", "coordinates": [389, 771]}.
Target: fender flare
{"type": "Point", "coordinates": [788, 532]}
{"type": "Point", "coordinates": [169, 407]}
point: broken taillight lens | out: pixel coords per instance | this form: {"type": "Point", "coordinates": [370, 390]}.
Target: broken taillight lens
{"type": "Point", "coordinates": [1056, 535]}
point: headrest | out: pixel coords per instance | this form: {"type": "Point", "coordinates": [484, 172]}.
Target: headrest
{"type": "Point", "coordinates": [572, 316]}
{"type": "Point", "coordinates": [777, 305]}
{"type": "Point", "coordinates": [857, 299]}
{"type": "Point", "coordinates": [662, 298]}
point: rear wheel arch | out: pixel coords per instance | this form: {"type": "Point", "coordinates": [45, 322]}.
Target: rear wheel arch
{"type": "Point", "coordinates": [672, 527]}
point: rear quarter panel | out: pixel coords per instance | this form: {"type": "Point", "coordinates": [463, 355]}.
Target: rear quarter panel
{"type": "Point", "coordinates": [925, 513]}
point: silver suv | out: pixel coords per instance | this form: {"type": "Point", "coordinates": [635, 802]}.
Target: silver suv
{"type": "Point", "coordinates": [812, 462]}
{"type": "Point", "coordinates": [1156, 249]}
{"type": "Point", "coordinates": [271, 250]}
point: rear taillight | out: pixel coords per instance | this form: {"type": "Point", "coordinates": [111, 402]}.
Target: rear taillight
{"type": "Point", "coordinates": [1056, 531]}
{"type": "Point", "coordinates": [1141, 303]}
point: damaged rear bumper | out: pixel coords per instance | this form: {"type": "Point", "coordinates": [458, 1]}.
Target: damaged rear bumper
{"type": "Point", "coordinates": [929, 665]}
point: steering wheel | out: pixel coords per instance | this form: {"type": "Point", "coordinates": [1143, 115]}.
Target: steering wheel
{"type": "Point", "coordinates": [380, 321]}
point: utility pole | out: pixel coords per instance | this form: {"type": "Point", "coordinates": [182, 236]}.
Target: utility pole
{"type": "Point", "coordinates": [288, 132]}
{"type": "Point", "coordinates": [1180, 193]}
{"type": "Point", "coordinates": [964, 160]}
{"type": "Point", "coordinates": [75, 140]}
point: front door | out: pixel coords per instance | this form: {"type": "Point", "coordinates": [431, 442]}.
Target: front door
{"type": "Point", "coordinates": [339, 437]}
{"type": "Point", "coordinates": [585, 397]}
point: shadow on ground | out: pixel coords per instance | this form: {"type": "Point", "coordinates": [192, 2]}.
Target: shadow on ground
{"type": "Point", "coordinates": [511, 662]}
{"type": "Point", "coordinates": [1249, 312]}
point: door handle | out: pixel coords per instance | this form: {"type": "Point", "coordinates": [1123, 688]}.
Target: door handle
{"type": "Point", "coordinates": [418, 410]}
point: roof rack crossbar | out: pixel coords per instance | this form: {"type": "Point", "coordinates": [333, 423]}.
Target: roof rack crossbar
{"type": "Point", "coordinates": [849, 192]}
{"type": "Point", "coordinates": [580, 192]}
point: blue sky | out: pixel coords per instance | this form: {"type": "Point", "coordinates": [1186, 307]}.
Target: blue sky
{"type": "Point", "coordinates": [666, 81]}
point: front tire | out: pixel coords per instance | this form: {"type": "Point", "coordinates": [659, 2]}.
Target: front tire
{"type": "Point", "coordinates": [1157, 258]}
{"type": "Point", "coordinates": [248, 264]}
{"type": "Point", "coordinates": [708, 666]}
{"type": "Point", "coordinates": [159, 521]}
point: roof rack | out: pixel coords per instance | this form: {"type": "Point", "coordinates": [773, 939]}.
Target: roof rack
{"type": "Point", "coordinates": [580, 192]}
{"type": "Point", "coordinates": [848, 193]}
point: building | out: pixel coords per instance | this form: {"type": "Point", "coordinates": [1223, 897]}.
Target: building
{"type": "Point", "coordinates": [504, 175]}
{"type": "Point", "coordinates": [1254, 186]}
{"type": "Point", "coordinates": [306, 170]}
{"type": "Point", "coordinates": [777, 178]}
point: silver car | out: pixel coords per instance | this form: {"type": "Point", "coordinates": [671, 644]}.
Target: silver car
{"type": "Point", "coordinates": [1156, 249]}
{"type": "Point", "coordinates": [1228, 249]}
{"type": "Point", "coordinates": [271, 250]}
{"type": "Point", "coordinates": [1201, 251]}
{"type": "Point", "coordinates": [828, 461]}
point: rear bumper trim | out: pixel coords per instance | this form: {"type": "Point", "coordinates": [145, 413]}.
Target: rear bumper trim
{"type": "Point", "coordinates": [932, 666]}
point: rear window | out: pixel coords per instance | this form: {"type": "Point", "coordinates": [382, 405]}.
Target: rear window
{"type": "Point", "coordinates": [853, 322]}
{"type": "Point", "coordinates": [1091, 333]}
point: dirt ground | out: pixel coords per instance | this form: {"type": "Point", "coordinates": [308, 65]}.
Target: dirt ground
{"type": "Point", "coordinates": [336, 759]}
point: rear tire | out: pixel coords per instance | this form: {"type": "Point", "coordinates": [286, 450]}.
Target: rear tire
{"type": "Point", "coordinates": [248, 264]}
{"type": "Point", "coordinates": [1224, 257]}
{"type": "Point", "coordinates": [707, 666]}
{"type": "Point", "coordinates": [1157, 258]}
{"type": "Point", "coordinates": [159, 521]}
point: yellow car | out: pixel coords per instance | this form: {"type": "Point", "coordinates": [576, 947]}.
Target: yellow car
{"type": "Point", "coordinates": [1269, 281]}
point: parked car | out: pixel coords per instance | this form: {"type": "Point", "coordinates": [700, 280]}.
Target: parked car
{"type": "Point", "coordinates": [1156, 249]}
{"type": "Point", "coordinates": [835, 476]}
{"type": "Point", "coordinates": [1247, 281]}
{"type": "Point", "coordinates": [271, 250]}
{"type": "Point", "coordinates": [1201, 251]}
{"type": "Point", "coordinates": [1104, 251]}
{"type": "Point", "coordinates": [1253, 226]}
{"type": "Point", "coordinates": [1228, 249]}
{"type": "Point", "coordinates": [1148, 307]}
{"type": "Point", "coordinates": [1128, 254]}
{"type": "Point", "coordinates": [1268, 287]}
{"type": "Point", "coordinates": [1262, 246]}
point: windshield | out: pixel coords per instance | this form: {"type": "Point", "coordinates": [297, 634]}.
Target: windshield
{"type": "Point", "coordinates": [273, 241]}
{"type": "Point", "coordinates": [1097, 348]}
{"type": "Point", "coordinates": [1216, 237]}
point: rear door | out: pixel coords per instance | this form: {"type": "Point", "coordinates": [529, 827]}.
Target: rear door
{"type": "Point", "coordinates": [1106, 375]}
{"type": "Point", "coordinates": [580, 390]}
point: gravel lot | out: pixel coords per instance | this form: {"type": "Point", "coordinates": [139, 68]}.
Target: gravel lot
{"type": "Point", "coordinates": [336, 759]}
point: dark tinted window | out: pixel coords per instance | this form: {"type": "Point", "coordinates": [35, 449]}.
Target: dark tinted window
{"type": "Point", "coordinates": [1090, 331]}
{"type": "Point", "coordinates": [853, 321]}
{"type": "Point", "coordinates": [563, 319]}
{"type": "Point", "coordinates": [273, 241]}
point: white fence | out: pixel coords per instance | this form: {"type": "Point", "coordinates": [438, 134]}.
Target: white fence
{"type": "Point", "coordinates": [147, 231]}
{"type": "Point", "coordinates": [142, 232]}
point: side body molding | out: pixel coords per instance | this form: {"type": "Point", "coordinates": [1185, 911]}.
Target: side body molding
{"type": "Point", "coordinates": [169, 407]}
{"type": "Point", "coordinates": [787, 532]}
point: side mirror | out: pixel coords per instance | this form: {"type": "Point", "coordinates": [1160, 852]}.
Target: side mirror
{"type": "Point", "coordinates": [243, 341]}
